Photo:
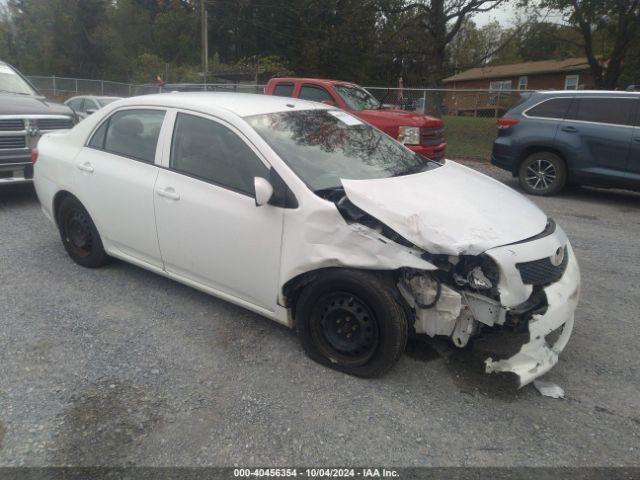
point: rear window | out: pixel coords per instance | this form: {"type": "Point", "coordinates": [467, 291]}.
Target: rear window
{"type": "Point", "coordinates": [283, 90]}
{"type": "Point", "coordinates": [552, 108]}
{"type": "Point", "coordinates": [618, 111]}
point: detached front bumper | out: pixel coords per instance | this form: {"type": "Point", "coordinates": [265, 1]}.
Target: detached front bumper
{"type": "Point", "coordinates": [550, 330]}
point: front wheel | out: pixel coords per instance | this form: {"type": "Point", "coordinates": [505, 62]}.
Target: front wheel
{"type": "Point", "coordinates": [349, 320]}
{"type": "Point", "coordinates": [79, 235]}
{"type": "Point", "coordinates": [543, 173]}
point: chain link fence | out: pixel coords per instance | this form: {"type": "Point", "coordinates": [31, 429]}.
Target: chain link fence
{"type": "Point", "coordinates": [469, 116]}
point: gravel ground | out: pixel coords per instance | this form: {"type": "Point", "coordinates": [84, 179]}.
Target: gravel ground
{"type": "Point", "coordinates": [119, 366]}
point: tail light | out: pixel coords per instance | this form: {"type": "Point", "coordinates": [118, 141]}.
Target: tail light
{"type": "Point", "coordinates": [34, 155]}
{"type": "Point", "coordinates": [504, 123]}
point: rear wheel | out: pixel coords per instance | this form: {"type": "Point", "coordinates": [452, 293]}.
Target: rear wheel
{"type": "Point", "coordinates": [79, 235]}
{"type": "Point", "coordinates": [543, 173]}
{"type": "Point", "coordinates": [350, 321]}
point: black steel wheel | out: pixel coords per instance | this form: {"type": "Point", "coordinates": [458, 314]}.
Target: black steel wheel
{"type": "Point", "coordinates": [543, 173]}
{"type": "Point", "coordinates": [79, 235]}
{"type": "Point", "coordinates": [344, 327]}
{"type": "Point", "coordinates": [351, 321]}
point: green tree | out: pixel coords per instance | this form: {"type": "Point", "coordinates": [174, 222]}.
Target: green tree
{"type": "Point", "coordinates": [618, 20]}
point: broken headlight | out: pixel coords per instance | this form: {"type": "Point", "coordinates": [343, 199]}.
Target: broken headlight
{"type": "Point", "coordinates": [478, 273]}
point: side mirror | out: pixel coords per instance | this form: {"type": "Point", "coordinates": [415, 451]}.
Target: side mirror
{"type": "Point", "coordinates": [329, 102]}
{"type": "Point", "coordinates": [264, 191]}
{"type": "Point", "coordinates": [91, 111]}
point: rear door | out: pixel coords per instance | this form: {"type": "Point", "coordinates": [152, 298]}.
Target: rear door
{"type": "Point", "coordinates": [116, 173]}
{"type": "Point", "coordinates": [597, 131]}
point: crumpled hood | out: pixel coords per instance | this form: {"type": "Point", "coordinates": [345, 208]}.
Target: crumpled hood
{"type": "Point", "coordinates": [451, 210]}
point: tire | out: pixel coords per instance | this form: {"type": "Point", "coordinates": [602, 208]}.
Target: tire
{"type": "Point", "coordinates": [542, 173]}
{"type": "Point", "coordinates": [79, 234]}
{"type": "Point", "coordinates": [350, 321]}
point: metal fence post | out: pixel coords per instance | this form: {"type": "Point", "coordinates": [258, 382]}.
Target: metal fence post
{"type": "Point", "coordinates": [424, 101]}
{"type": "Point", "coordinates": [101, 87]}
{"type": "Point", "coordinates": [76, 86]}
{"type": "Point", "coordinates": [54, 85]}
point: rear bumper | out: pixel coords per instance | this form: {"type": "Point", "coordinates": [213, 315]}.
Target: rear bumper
{"type": "Point", "coordinates": [16, 169]}
{"type": "Point", "coordinates": [503, 155]}
{"type": "Point", "coordinates": [435, 152]}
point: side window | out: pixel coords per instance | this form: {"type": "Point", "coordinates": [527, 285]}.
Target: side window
{"type": "Point", "coordinates": [76, 104]}
{"type": "Point", "coordinates": [315, 94]}
{"type": "Point", "coordinates": [134, 133]}
{"type": "Point", "coordinates": [283, 90]}
{"type": "Point", "coordinates": [89, 105]}
{"type": "Point", "coordinates": [97, 141]}
{"type": "Point", "coordinates": [553, 108]}
{"type": "Point", "coordinates": [617, 111]}
{"type": "Point", "coordinates": [210, 151]}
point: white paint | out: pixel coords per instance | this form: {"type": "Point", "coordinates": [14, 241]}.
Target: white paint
{"type": "Point", "coordinates": [451, 209]}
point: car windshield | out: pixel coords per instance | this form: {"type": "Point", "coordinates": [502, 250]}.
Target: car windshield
{"type": "Point", "coordinates": [12, 82]}
{"type": "Point", "coordinates": [104, 101]}
{"type": "Point", "coordinates": [357, 98]}
{"type": "Point", "coordinates": [324, 146]}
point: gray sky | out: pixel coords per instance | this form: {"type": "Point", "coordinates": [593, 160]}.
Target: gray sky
{"type": "Point", "coordinates": [504, 14]}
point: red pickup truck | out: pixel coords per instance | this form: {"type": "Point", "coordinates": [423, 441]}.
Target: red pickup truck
{"type": "Point", "coordinates": [421, 133]}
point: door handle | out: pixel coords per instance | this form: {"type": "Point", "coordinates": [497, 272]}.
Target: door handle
{"type": "Point", "coordinates": [569, 129]}
{"type": "Point", "coordinates": [169, 193]}
{"type": "Point", "coordinates": [85, 167]}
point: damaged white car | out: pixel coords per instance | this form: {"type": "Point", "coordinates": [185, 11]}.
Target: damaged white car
{"type": "Point", "coordinates": [308, 216]}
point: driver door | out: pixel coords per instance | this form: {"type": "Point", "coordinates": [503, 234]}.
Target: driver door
{"type": "Point", "coordinates": [209, 228]}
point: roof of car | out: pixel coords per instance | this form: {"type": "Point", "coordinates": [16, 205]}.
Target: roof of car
{"type": "Point", "coordinates": [325, 81]}
{"type": "Point", "coordinates": [241, 104]}
{"type": "Point", "coordinates": [587, 92]}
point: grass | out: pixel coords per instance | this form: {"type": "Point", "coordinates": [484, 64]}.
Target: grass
{"type": "Point", "coordinates": [469, 137]}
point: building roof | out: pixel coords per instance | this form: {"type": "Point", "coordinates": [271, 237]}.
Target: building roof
{"type": "Point", "coordinates": [516, 69]}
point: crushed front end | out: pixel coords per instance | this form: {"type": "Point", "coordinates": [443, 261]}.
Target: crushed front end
{"type": "Point", "coordinates": [516, 301]}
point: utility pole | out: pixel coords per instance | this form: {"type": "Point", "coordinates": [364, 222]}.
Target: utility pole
{"type": "Point", "coordinates": [204, 27]}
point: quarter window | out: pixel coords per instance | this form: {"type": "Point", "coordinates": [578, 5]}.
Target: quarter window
{"type": "Point", "coordinates": [208, 150]}
{"type": "Point", "coordinates": [97, 141]}
{"type": "Point", "coordinates": [553, 108]}
{"type": "Point", "coordinates": [606, 110]}
{"type": "Point", "coordinates": [283, 90]}
{"type": "Point", "coordinates": [133, 133]}
{"type": "Point", "coordinates": [571, 82]}
{"type": "Point", "coordinates": [315, 94]}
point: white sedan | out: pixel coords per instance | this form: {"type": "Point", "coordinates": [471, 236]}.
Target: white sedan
{"type": "Point", "coordinates": [310, 217]}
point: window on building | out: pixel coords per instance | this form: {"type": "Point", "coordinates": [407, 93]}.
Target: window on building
{"type": "Point", "coordinates": [499, 85]}
{"type": "Point", "coordinates": [571, 82]}
{"type": "Point", "coordinates": [523, 83]}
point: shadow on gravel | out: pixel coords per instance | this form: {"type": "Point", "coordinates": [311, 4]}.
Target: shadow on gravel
{"type": "Point", "coordinates": [104, 423]}
{"type": "Point", "coordinates": [466, 367]}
